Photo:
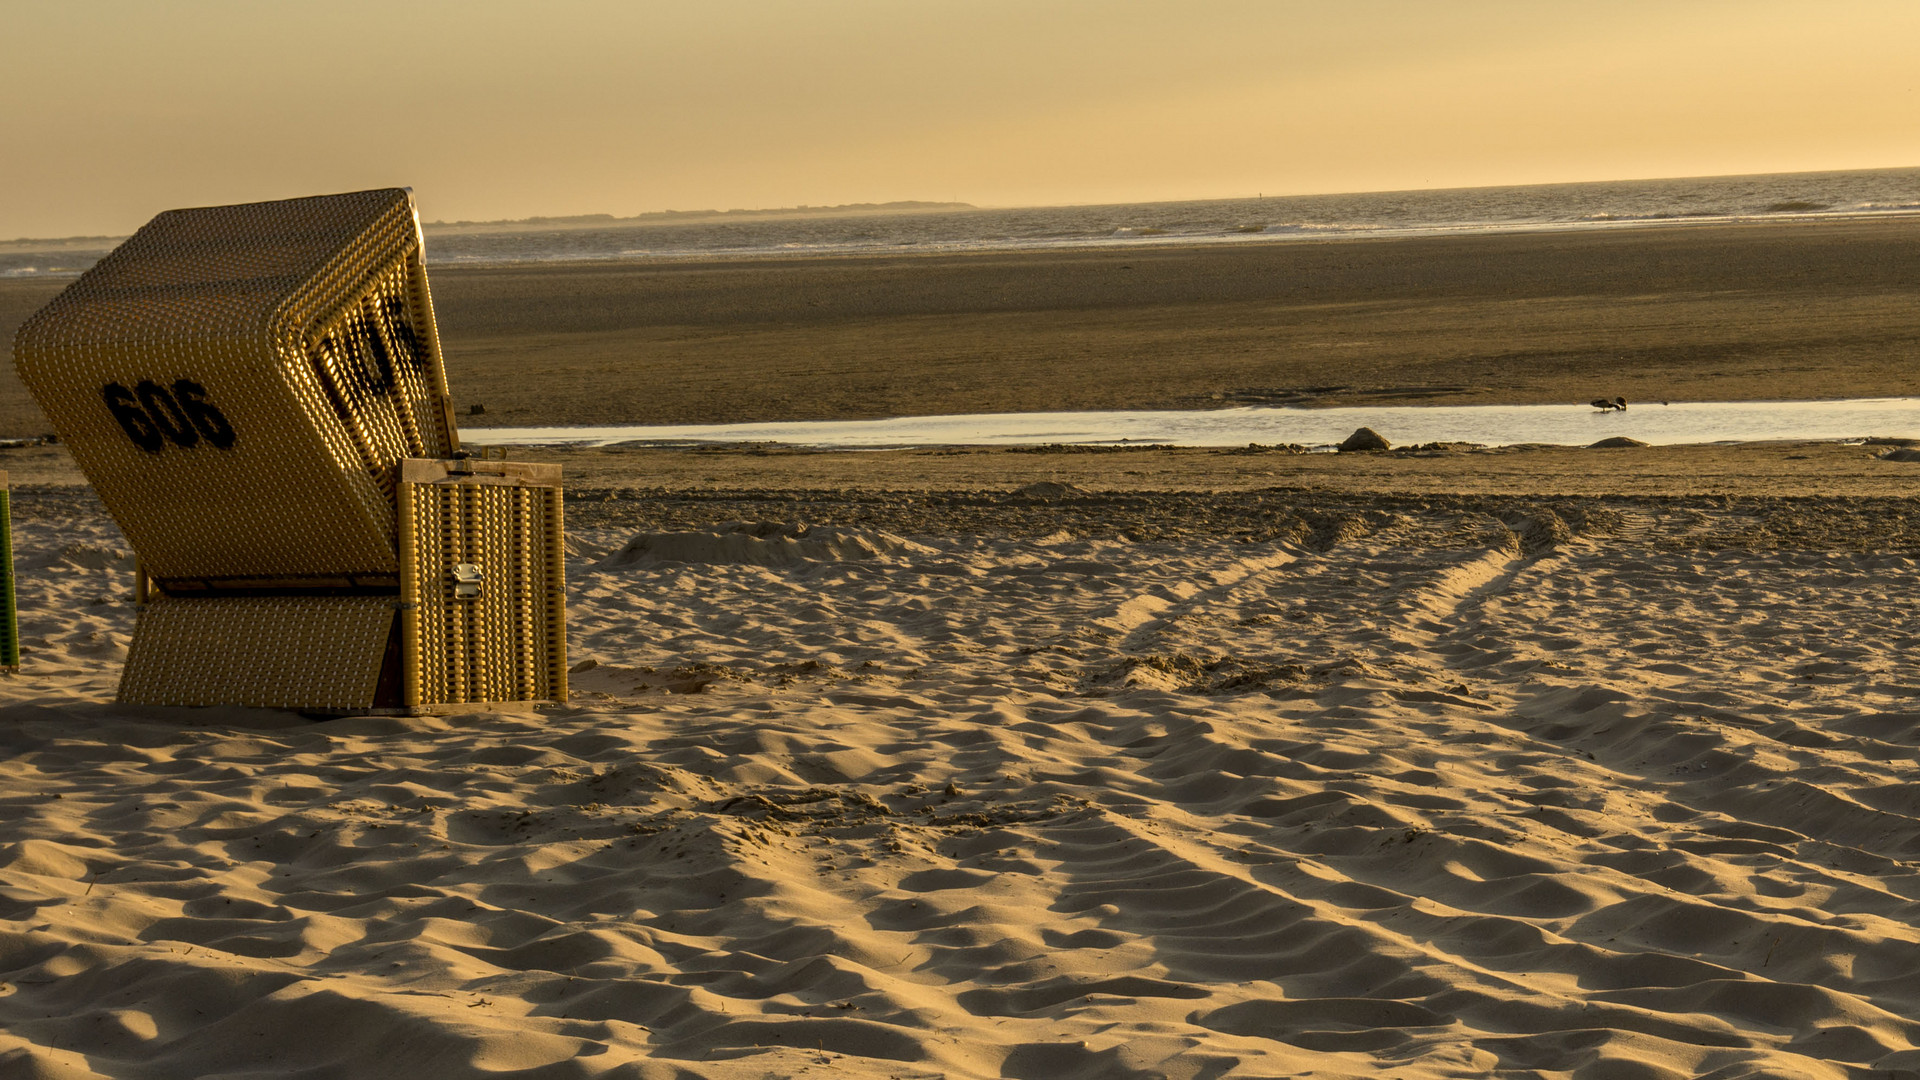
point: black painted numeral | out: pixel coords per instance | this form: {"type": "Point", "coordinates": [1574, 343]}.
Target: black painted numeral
{"type": "Point", "coordinates": [207, 419]}
{"type": "Point", "coordinates": [133, 419]}
{"type": "Point", "coordinates": [167, 414]}
{"type": "Point", "coordinates": [152, 415]}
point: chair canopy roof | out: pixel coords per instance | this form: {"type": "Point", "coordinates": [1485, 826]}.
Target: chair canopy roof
{"type": "Point", "coordinates": [240, 383]}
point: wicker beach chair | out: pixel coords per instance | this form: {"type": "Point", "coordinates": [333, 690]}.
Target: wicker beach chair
{"type": "Point", "coordinates": [256, 393]}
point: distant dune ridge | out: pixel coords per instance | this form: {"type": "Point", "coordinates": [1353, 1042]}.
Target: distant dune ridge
{"type": "Point", "coordinates": [896, 206]}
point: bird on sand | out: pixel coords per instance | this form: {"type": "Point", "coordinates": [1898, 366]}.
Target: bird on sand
{"type": "Point", "coordinates": [1604, 405]}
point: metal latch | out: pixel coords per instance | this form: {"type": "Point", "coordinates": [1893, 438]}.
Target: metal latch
{"type": "Point", "coordinates": [466, 581]}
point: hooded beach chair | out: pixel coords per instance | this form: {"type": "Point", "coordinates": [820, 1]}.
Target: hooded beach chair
{"type": "Point", "coordinates": [256, 393]}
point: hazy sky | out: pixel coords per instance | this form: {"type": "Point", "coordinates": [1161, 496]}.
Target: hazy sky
{"type": "Point", "coordinates": [117, 109]}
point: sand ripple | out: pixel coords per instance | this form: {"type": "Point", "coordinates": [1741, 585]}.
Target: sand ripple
{"type": "Point", "coordinates": [1458, 791]}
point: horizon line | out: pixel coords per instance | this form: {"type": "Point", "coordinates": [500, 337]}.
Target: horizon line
{"type": "Point", "coordinates": [956, 206]}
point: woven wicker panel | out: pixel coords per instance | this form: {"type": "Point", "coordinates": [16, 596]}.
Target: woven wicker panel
{"type": "Point", "coordinates": [509, 642]}
{"type": "Point", "coordinates": [239, 383]}
{"type": "Point", "coordinates": [307, 652]}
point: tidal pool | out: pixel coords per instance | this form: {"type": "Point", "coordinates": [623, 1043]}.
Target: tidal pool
{"type": "Point", "coordinates": [1490, 425]}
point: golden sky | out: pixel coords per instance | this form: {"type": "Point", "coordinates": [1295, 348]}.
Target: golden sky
{"type": "Point", "coordinates": [117, 109]}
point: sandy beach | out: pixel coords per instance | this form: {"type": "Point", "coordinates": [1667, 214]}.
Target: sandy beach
{"type": "Point", "coordinates": [1531, 762]}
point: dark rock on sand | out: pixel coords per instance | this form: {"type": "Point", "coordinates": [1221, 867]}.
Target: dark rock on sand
{"type": "Point", "coordinates": [1047, 489]}
{"type": "Point", "coordinates": [1364, 439]}
{"type": "Point", "coordinates": [1618, 442]}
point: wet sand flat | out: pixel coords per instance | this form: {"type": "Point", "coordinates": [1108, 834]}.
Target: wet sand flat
{"type": "Point", "coordinates": [1706, 312]}
{"type": "Point", "coordinates": [1763, 470]}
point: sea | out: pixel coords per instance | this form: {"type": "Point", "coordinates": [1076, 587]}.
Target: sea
{"type": "Point", "coordinates": [814, 232]}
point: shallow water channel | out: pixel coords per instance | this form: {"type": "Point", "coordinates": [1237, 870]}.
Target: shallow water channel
{"type": "Point", "coordinates": [1489, 425]}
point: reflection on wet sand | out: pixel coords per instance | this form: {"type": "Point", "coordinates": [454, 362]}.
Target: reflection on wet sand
{"type": "Point", "coordinates": [1657, 423]}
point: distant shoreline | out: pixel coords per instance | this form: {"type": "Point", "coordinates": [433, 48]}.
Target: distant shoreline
{"type": "Point", "coordinates": [1156, 242]}
{"type": "Point", "coordinates": [1111, 245]}
{"type": "Point", "coordinates": [679, 217]}
{"type": "Point", "coordinates": [571, 221]}
{"type": "Point", "coordinates": [954, 225]}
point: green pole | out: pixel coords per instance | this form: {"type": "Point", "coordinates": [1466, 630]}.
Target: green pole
{"type": "Point", "coordinates": [9, 615]}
